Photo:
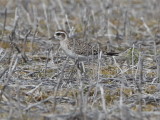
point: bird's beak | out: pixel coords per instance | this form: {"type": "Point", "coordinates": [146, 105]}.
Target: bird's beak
{"type": "Point", "coordinates": [53, 37]}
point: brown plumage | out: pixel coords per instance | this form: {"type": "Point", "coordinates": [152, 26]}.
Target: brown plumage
{"type": "Point", "coordinates": [78, 48]}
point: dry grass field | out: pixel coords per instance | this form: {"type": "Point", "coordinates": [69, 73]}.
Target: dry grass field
{"type": "Point", "coordinates": [38, 81]}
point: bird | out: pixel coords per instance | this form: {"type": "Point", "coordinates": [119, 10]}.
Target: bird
{"type": "Point", "coordinates": [79, 49]}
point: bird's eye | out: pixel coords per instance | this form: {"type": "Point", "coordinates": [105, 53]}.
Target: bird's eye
{"type": "Point", "coordinates": [58, 34]}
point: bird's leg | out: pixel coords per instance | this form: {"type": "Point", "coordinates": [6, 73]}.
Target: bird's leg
{"type": "Point", "coordinates": [80, 66]}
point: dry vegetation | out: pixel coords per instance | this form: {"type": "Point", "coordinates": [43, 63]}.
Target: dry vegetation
{"type": "Point", "coordinates": [39, 82]}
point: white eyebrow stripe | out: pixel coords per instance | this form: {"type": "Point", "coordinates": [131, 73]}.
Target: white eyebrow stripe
{"type": "Point", "coordinates": [60, 32]}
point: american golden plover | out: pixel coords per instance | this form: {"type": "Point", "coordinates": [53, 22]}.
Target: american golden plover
{"type": "Point", "coordinates": [79, 49]}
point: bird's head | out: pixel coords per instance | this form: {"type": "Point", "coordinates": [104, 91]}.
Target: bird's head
{"type": "Point", "coordinates": [60, 35]}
